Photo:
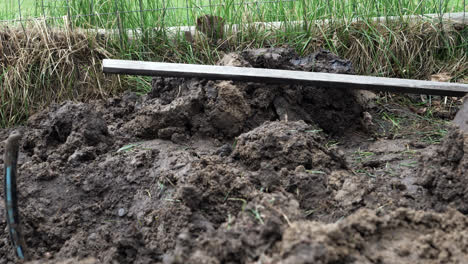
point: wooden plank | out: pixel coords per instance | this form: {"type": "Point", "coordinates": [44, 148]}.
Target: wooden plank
{"type": "Point", "coordinates": [342, 81]}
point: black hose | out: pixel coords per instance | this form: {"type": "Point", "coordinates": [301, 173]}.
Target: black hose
{"type": "Point", "coordinates": [11, 198]}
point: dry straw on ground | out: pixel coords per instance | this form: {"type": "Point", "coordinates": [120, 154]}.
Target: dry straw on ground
{"type": "Point", "coordinates": [413, 50]}
{"type": "Point", "coordinates": [40, 66]}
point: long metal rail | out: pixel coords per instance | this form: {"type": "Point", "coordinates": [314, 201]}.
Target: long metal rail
{"type": "Point", "coordinates": [331, 80]}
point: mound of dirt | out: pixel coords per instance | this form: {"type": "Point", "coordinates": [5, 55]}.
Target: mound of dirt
{"type": "Point", "coordinates": [444, 171]}
{"type": "Point", "coordinates": [403, 236]}
{"type": "Point", "coordinates": [288, 59]}
{"type": "Point", "coordinates": [224, 109]}
{"type": "Point", "coordinates": [270, 231]}
{"type": "Point", "coordinates": [203, 171]}
{"type": "Point", "coordinates": [62, 132]}
{"type": "Point", "coordinates": [243, 237]}
{"type": "Point", "coordinates": [286, 145]}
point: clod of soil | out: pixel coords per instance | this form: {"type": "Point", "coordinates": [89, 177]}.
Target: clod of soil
{"type": "Point", "coordinates": [444, 171]}
{"type": "Point", "coordinates": [403, 236]}
{"type": "Point", "coordinates": [279, 145]}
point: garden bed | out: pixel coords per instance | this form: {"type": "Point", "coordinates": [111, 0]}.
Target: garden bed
{"type": "Point", "coordinates": [201, 171]}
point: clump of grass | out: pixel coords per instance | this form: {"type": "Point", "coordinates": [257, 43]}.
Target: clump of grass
{"type": "Point", "coordinates": [405, 49]}
{"type": "Point", "coordinates": [39, 66]}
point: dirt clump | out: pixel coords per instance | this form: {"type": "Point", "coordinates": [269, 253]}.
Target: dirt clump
{"type": "Point", "coordinates": [244, 237]}
{"type": "Point", "coordinates": [224, 109]}
{"type": "Point", "coordinates": [403, 236]}
{"type": "Point", "coordinates": [286, 145]}
{"type": "Point", "coordinates": [443, 171]}
{"type": "Point", "coordinates": [288, 59]}
{"type": "Point", "coordinates": [61, 131]}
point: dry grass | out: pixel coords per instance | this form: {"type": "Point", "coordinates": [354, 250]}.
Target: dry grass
{"type": "Point", "coordinates": [407, 50]}
{"type": "Point", "coordinates": [401, 49]}
{"type": "Point", "coordinates": [40, 66]}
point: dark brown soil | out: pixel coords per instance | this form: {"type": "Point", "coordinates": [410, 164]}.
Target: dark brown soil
{"type": "Point", "coordinates": [201, 171]}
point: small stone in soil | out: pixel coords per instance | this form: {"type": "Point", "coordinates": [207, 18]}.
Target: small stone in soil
{"type": "Point", "coordinates": [121, 212]}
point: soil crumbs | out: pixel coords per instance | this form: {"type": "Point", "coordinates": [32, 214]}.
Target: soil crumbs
{"type": "Point", "coordinates": [200, 171]}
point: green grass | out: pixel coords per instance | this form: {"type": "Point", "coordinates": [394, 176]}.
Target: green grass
{"type": "Point", "coordinates": [175, 13]}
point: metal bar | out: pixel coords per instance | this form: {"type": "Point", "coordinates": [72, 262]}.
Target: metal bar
{"type": "Point", "coordinates": [142, 18]}
{"type": "Point", "coordinates": [331, 13]}
{"type": "Point", "coordinates": [70, 24]}
{"type": "Point", "coordinates": [163, 19]}
{"type": "Point", "coordinates": [44, 14]}
{"type": "Point", "coordinates": [377, 8]}
{"type": "Point", "coordinates": [464, 10]}
{"type": "Point", "coordinates": [91, 11]}
{"type": "Point", "coordinates": [119, 24]}
{"type": "Point", "coordinates": [342, 81]}
{"type": "Point", "coordinates": [422, 7]}
{"type": "Point", "coordinates": [304, 17]}
{"type": "Point", "coordinates": [21, 17]}
{"type": "Point", "coordinates": [187, 11]}
{"type": "Point", "coordinates": [43, 9]}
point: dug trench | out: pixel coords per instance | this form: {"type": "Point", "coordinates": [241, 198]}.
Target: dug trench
{"type": "Point", "coordinates": [201, 171]}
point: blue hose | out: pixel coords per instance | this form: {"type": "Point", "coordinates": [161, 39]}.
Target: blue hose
{"type": "Point", "coordinates": [11, 198]}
